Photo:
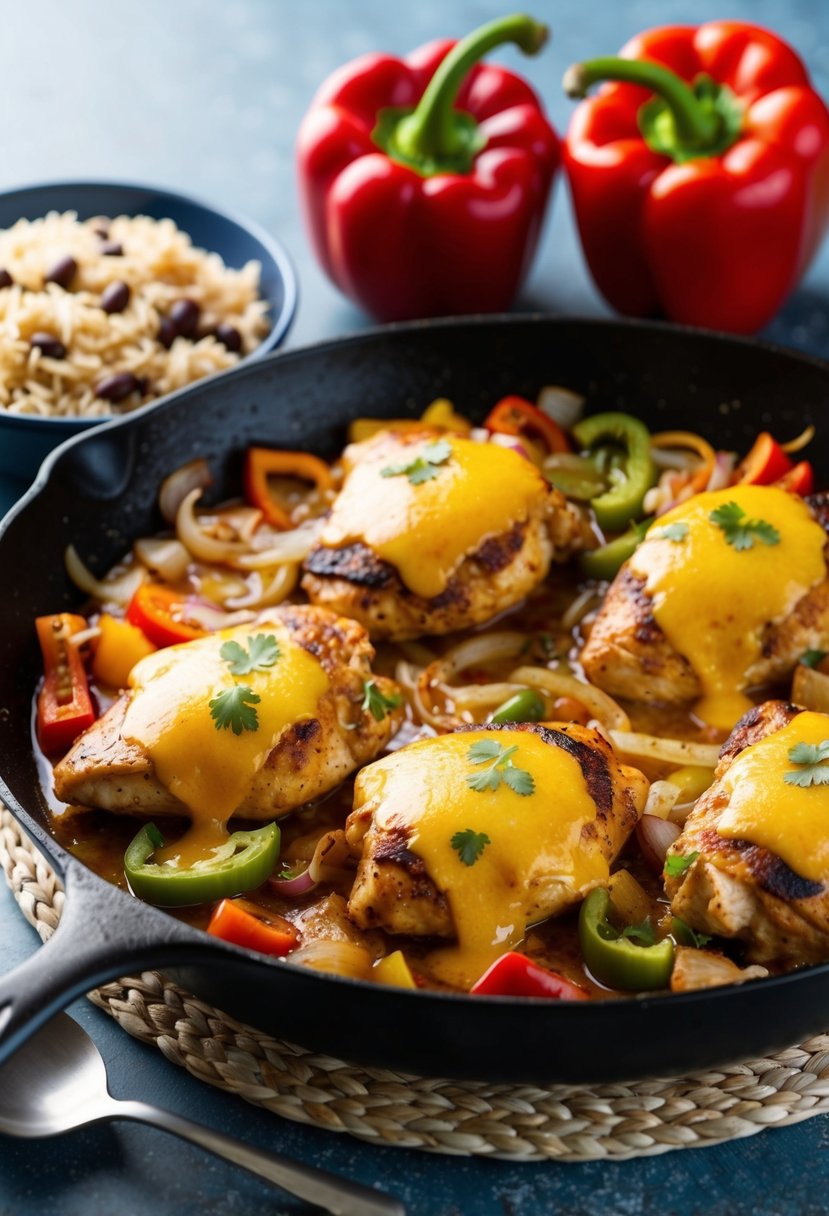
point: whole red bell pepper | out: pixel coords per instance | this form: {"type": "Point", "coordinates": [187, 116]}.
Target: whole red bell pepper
{"type": "Point", "coordinates": [424, 180]}
{"type": "Point", "coordinates": [700, 176]}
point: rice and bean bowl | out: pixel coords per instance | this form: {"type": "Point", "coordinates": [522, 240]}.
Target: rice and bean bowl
{"type": "Point", "coordinates": [102, 315]}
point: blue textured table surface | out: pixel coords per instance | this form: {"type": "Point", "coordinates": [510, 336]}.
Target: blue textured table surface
{"type": "Point", "coordinates": [205, 97]}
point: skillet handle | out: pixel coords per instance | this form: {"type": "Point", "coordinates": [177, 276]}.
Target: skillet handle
{"type": "Point", "coordinates": [103, 933]}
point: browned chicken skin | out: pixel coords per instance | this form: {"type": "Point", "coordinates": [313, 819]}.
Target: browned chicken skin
{"type": "Point", "coordinates": [311, 757]}
{"type": "Point", "coordinates": [739, 890]}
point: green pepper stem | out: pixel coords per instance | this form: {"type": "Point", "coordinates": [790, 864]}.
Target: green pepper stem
{"type": "Point", "coordinates": [432, 130]}
{"type": "Point", "coordinates": [696, 125]}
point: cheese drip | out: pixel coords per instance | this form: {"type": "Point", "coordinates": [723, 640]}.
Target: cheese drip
{"type": "Point", "coordinates": [425, 531]}
{"type": "Point", "coordinates": [712, 601]}
{"type": "Point", "coordinates": [791, 821]}
{"type": "Point", "coordinates": [207, 769]}
{"type": "Point", "coordinates": [534, 839]}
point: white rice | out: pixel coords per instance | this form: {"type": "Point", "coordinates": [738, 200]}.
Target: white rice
{"type": "Point", "coordinates": [160, 265]}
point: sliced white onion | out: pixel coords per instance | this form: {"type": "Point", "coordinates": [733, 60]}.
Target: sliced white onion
{"type": "Point", "coordinates": [803, 440]}
{"type": "Point", "coordinates": [564, 684]}
{"type": "Point", "coordinates": [480, 434]}
{"type": "Point", "coordinates": [166, 557]}
{"type": "Point", "coordinates": [673, 751]}
{"type": "Point", "coordinates": [722, 472]}
{"type": "Point", "coordinates": [579, 608]}
{"type": "Point", "coordinates": [480, 696]}
{"type": "Point", "coordinates": [477, 651]}
{"type": "Point", "coordinates": [194, 537]}
{"type": "Point", "coordinates": [339, 958]}
{"type": "Point", "coordinates": [266, 595]}
{"type": "Point", "coordinates": [695, 969]}
{"type": "Point", "coordinates": [561, 404]}
{"type": "Point", "coordinates": [118, 590]}
{"type": "Point", "coordinates": [212, 618]}
{"type": "Point", "coordinates": [292, 546]}
{"type": "Point", "coordinates": [655, 837]}
{"type": "Point", "coordinates": [195, 475]}
{"type": "Point", "coordinates": [662, 798]}
{"type": "Point", "coordinates": [509, 441]}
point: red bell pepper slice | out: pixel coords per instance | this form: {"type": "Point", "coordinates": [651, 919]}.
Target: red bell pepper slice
{"type": "Point", "coordinates": [424, 180]}
{"type": "Point", "coordinates": [514, 974]}
{"type": "Point", "coordinates": [64, 706]}
{"type": "Point", "coordinates": [264, 463]}
{"type": "Point", "coordinates": [765, 463]}
{"type": "Point", "coordinates": [517, 416]}
{"type": "Point", "coordinates": [158, 611]}
{"type": "Point", "coordinates": [799, 480]}
{"type": "Point", "coordinates": [699, 176]}
{"type": "Point", "coordinates": [235, 921]}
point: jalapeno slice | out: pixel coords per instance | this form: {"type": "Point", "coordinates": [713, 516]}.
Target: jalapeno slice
{"type": "Point", "coordinates": [631, 475]}
{"type": "Point", "coordinates": [241, 863]}
{"type": "Point", "coordinates": [618, 961]}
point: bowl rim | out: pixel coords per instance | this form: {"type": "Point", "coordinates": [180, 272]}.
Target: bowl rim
{"type": "Point", "coordinates": [272, 245]}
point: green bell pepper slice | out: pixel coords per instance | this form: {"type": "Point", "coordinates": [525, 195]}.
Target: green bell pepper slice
{"type": "Point", "coordinates": [631, 475]}
{"type": "Point", "coordinates": [525, 706]}
{"type": "Point", "coordinates": [243, 862]}
{"type": "Point", "coordinates": [605, 562]}
{"type": "Point", "coordinates": [618, 961]}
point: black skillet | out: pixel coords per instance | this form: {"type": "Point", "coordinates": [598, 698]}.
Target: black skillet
{"type": "Point", "coordinates": [99, 492]}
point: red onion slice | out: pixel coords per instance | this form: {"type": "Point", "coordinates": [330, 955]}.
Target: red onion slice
{"type": "Point", "coordinates": [301, 884]}
{"type": "Point", "coordinates": [655, 837]}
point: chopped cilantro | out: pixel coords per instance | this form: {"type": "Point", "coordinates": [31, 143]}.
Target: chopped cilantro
{"type": "Point", "coordinates": [499, 767]}
{"type": "Point", "coordinates": [740, 531]}
{"type": "Point", "coordinates": [811, 757]}
{"type": "Point", "coordinates": [376, 702]}
{"type": "Point", "coordinates": [424, 467]}
{"type": "Point", "coordinates": [676, 864]}
{"type": "Point", "coordinates": [469, 845]}
{"type": "Point", "coordinates": [812, 658]}
{"type": "Point", "coordinates": [263, 653]}
{"type": "Point", "coordinates": [675, 532]}
{"type": "Point", "coordinates": [234, 708]}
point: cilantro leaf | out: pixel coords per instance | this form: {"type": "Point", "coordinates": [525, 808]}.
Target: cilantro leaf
{"type": "Point", "coordinates": [500, 767]}
{"type": "Point", "coordinates": [676, 864]}
{"type": "Point", "coordinates": [739, 530]}
{"type": "Point", "coordinates": [812, 658]}
{"type": "Point", "coordinates": [675, 532]}
{"type": "Point", "coordinates": [811, 757]}
{"type": "Point", "coordinates": [643, 932]}
{"type": "Point", "coordinates": [423, 467]}
{"type": "Point", "coordinates": [469, 845]}
{"type": "Point", "coordinates": [684, 935]}
{"type": "Point", "coordinates": [263, 653]}
{"type": "Point", "coordinates": [376, 702]}
{"type": "Point", "coordinates": [234, 708]}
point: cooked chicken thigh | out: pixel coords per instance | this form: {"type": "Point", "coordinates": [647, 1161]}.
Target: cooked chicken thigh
{"type": "Point", "coordinates": [160, 750]}
{"type": "Point", "coordinates": [737, 888]}
{"type": "Point", "coordinates": [418, 546]}
{"type": "Point", "coordinates": [704, 610]}
{"type": "Point", "coordinates": [455, 845]}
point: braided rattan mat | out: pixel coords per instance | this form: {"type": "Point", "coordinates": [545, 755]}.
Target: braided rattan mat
{"type": "Point", "coordinates": [517, 1123]}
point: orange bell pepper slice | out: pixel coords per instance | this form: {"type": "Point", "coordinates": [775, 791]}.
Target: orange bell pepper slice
{"type": "Point", "coordinates": [245, 924]}
{"type": "Point", "coordinates": [64, 706]}
{"type": "Point", "coordinates": [517, 416]}
{"type": "Point", "coordinates": [263, 463]}
{"type": "Point", "coordinates": [119, 647]}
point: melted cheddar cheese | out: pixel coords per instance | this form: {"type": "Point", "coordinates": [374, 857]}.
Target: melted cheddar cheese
{"type": "Point", "coordinates": [426, 530]}
{"type": "Point", "coordinates": [712, 600]}
{"type": "Point", "coordinates": [209, 769]}
{"type": "Point", "coordinates": [535, 839]}
{"type": "Point", "coordinates": [791, 821]}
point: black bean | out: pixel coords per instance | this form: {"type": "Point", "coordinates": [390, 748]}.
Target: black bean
{"type": "Point", "coordinates": [48, 344]}
{"type": "Point", "coordinates": [112, 249]}
{"type": "Point", "coordinates": [167, 332]}
{"type": "Point", "coordinates": [142, 385]}
{"type": "Point", "coordinates": [63, 271]}
{"type": "Point", "coordinates": [102, 232]}
{"type": "Point", "coordinates": [5, 278]}
{"type": "Point", "coordinates": [185, 316]}
{"type": "Point", "coordinates": [116, 387]}
{"type": "Point", "coordinates": [229, 337]}
{"type": "Point", "coordinates": [115, 297]}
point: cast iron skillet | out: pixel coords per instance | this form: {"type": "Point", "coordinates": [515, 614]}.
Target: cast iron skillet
{"type": "Point", "coordinates": [99, 492]}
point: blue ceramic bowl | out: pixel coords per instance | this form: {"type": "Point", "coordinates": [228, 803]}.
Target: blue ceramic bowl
{"type": "Point", "coordinates": [25, 441]}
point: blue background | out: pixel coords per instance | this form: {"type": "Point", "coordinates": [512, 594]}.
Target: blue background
{"type": "Point", "coordinates": [205, 97]}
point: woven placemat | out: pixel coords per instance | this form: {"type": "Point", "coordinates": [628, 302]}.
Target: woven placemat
{"type": "Point", "coordinates": [513, 1122]}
